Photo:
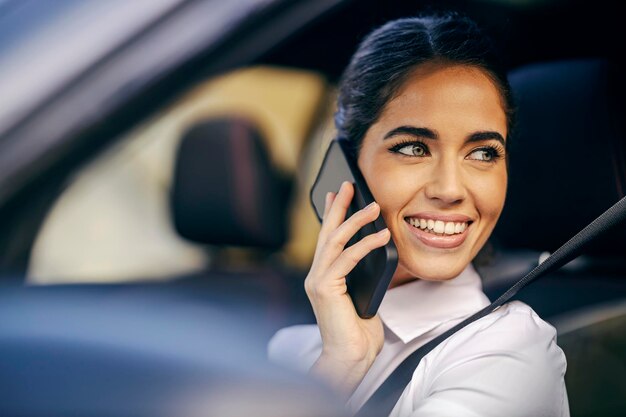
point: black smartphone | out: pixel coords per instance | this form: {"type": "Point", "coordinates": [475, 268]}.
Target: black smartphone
{"type": "Point", "coordinates": [369, 280]}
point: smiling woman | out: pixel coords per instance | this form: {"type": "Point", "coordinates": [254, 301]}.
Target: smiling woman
{"type": "Point", "coordinates": [428, 114]}
{"type": "Point", "coordinates": [436, 158]}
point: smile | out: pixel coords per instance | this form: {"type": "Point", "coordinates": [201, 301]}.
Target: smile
{"type": "Point", "coordinates": [438, 226]}
{"type": "Point", "coordinates": [438, 233]}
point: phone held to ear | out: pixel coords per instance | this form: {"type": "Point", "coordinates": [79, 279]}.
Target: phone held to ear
{"type": "Point", "coordinates": [369, 280]}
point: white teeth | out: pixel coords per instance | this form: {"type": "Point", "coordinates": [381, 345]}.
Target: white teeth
{"type": "Point", "coordinates": [438, 226]}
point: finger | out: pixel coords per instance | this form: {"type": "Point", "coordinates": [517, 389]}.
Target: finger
{"type": "Point", "coordinates": [338, 208]}
{"type": "Point", "coordinates": [348, 259]}
{"type": "Point", "coordinates": [328, 201]}
{"type": "Point", "coordinates": [336, 241]}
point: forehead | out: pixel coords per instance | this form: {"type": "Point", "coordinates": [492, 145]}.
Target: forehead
{"type": "Point", "coordinates": [447, 98]}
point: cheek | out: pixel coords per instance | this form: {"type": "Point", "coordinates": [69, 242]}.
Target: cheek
{"type": "Point", "coordinates": [392, 188]}
{"type": "Point", "coordinates": [490, 194]}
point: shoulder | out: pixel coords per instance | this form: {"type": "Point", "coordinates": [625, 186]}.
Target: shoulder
{"type": "Point", "coordinates": [518, 319]}
{"type": "Point", "coordinates": [296, 347]}
{"type": "Point", "coordinates": [500, 361]}
{"type": "Point", "coordinates": [514, 330]}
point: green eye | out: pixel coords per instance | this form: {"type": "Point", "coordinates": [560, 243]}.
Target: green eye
{"type": "Point", "coordinates": [484, 154]}
{"type": "Point", "coordinates": [481, 155]}
{"type": "Point", "coordinates": [412, 150]}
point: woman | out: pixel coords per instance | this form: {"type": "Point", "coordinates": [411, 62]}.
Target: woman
{"type": "Point", "coordinates": [429, 115]}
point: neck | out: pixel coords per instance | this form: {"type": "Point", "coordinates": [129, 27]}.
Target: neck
{"type": "Point", "coordinates": [401, 276]}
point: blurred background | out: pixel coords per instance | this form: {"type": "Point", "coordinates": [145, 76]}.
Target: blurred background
{"type": "Point", "coordinates": [169, 146]}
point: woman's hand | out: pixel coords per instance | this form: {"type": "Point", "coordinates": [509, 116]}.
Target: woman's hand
{"type": "Point", "coordinates": [350, 343]}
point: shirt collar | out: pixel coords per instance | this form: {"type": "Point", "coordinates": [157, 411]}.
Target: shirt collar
{"type": "Point", "coordinates": [419, 306]}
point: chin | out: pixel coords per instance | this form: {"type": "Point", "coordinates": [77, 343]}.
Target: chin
{"type": "Point", "coordinates": [431, 270]}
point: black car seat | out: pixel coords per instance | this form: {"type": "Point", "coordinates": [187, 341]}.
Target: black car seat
{"type": "Point", "coordinates": [567, 166]}
{"type": "Point", "coordinates": [228, 196]}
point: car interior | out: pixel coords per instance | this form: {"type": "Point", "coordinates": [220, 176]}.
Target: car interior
{"type": "Point", "coordinates": [207, 197]}
{"type": "Point", "coordinates": [565, 107]}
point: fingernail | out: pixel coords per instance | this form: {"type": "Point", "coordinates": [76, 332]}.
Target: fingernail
{"type": "Point", "coordinates": [383, 232]}
{"type": "Point", "coordinates": [371, 205]}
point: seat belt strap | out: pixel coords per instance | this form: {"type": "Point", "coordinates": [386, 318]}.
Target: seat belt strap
{"type": "Point", "coordinates": [381, 403]}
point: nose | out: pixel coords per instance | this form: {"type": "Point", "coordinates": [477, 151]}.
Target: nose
{"type": "Point", "coordinates": [446, 183]}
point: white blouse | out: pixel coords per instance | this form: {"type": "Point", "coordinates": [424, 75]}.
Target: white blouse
{"type": "Point", "coordinates": [505, 364]}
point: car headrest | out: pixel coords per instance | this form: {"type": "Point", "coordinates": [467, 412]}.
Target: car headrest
{"type": "Point", "coordinates": [225, 190]}
{"type": "Point", "coordinates": [567, 156]}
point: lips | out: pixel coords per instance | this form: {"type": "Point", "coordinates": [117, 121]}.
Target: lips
{"type": "Point", "coordinates": [439, 231]}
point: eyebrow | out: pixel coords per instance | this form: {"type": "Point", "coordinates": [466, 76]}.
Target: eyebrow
{"type": "Point", "coordinates": [420, 132]}
{"type": "Point", "coordinates": [423, 132]}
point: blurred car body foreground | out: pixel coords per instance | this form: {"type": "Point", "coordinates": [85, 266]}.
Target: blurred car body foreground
{"type": "Point", "coordinates": [156, 156]}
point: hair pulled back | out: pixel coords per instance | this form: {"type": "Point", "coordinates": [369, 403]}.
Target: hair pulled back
{"type": "Point", "coordinates": [387, 56]}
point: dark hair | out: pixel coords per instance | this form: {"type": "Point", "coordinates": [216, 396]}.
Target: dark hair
{"type": "Point", "coordinates": [387, 56]}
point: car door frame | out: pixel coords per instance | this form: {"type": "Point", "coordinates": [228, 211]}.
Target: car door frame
{"type": "Point", "coordinates": [39, 152]}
